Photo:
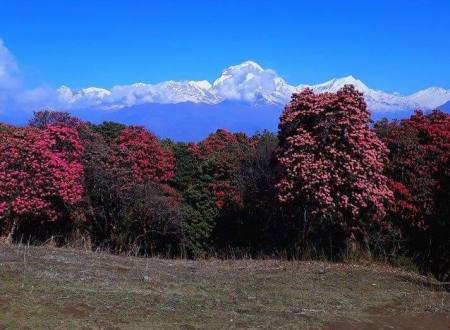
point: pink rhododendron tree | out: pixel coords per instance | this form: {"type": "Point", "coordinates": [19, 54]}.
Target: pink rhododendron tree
{"type": "Point", "coordinates": [40, 171]}
{"type": "Point", "coordinates": [142, 152]}
{"type": "Point", "coordinates": [331, 163]}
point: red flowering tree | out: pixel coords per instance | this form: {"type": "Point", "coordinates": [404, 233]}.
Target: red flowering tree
{"type": "Point", "coordinates": [419, 173]}
{"type": "Point", "coordinates": [142, 152]}
{"type": "Point", "coordinates": [419, 165]}
{"type": "Point", "coordinates": [40, 172]}
{"type": "Point", "coordinates": [331, 163]}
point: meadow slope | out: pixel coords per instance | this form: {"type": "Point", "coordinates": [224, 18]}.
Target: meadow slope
{"type": "Point", "coordinates": [46, 288]}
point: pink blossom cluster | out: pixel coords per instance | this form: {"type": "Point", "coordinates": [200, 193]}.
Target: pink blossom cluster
{"type": "Point", "coordinates": [142, 152]}
{"type": "Point", "coordinates": [39, 168]}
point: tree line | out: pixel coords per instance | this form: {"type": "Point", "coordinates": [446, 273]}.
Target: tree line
{"type": "Point", "coordinates": [331, 184]}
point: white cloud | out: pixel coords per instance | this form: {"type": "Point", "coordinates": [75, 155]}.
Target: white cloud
{"type": "Point", "coordinates": [250, 82]}
{"type": "Point", "coordinates": [14, 96]}
{"type": "Point", "coordinates": [9, 68]}
{"type": "Point", "coordinates": [9, 76]}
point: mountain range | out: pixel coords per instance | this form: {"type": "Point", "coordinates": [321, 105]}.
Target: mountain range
{"type": "Point", "coordinates": [245, 97]}
{"type": "Point", "coordinates": [246, 82]}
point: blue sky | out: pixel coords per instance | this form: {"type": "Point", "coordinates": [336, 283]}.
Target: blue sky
{"type": "Point", "coordinates": [391, 45]}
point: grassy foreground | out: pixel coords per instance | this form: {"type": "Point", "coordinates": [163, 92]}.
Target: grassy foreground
{"type": "Point", "coordinates": [43, 287]}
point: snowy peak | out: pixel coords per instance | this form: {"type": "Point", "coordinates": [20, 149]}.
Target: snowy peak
{"type": "Point", "coordinates": [183, 91]}
{"type": "Point", "coordinates": [379, 101]}
{"type": "Point", "coordinates": [202, 84]}
{"type": "Point", "coordinates": [244, 67]}
{"type": "Point", "coordinates": [335, 84]}
{"type": "Point", "coordinates": [431, 97]}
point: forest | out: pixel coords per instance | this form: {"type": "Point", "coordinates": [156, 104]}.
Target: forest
{"type": "Point", "coordinates": [330, 185]}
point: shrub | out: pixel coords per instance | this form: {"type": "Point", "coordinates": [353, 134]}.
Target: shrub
{"type": "Point", "coordinates": [129, 205]}
{"type": "Point", "coordinates": [109, 130]}
{"type": "Point", "coordinates": [419, 173]}
{"type": "Point", "coordinates": [257, 227]}
{"type": "Point", "coordinates": [42, 119]}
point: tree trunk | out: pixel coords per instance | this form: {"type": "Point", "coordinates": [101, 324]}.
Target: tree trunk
{"type": "Point", "coordinates": [366, 246]}
{"type": "Point", "coordinates": [9, 239]}
{"type": "Point", "coordinates": [358, 245]}
{"type": "Point", "coordinates": [353, 244]}
{"type": "Point", "coordinates": [303, 246]}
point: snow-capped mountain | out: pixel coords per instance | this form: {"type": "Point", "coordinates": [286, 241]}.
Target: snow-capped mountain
{"type": "Point", "coordinates": [431, 97]}
{"type": "Point", "coordinates": [377, 101]}
{"type": "Point", "coordinates": [246, 82]}
{"type": "Point", "coordinates": [334, 85]}
{"type": "Point", "coordinates": [138, 93]}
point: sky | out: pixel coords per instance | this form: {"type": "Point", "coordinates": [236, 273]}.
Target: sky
{"type": "Point", "coordinates": [399, 45]}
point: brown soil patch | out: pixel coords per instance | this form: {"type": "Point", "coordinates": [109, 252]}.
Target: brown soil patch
{"type": "Point", "coordinates": [76, 310]}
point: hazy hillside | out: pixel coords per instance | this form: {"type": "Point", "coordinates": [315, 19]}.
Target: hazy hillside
{"type": "Point", "coordinates": [445, 107]}
{"type": "Point", "coordinates": [192, 122]}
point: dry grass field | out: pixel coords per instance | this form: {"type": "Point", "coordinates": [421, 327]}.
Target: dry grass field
{"type": "Point", "coordinates": [52, 288]}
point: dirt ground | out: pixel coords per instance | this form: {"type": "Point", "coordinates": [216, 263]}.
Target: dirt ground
{"type": "Point", "coordinates": [51, 288]}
